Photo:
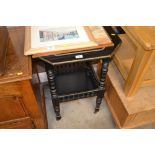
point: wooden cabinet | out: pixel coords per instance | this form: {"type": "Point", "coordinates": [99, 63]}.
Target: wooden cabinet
{"type": "Point", "coordinates": [129, 112]}
{"type": "Point", "coordinates": [132, 103]}
{"type": "Point", "coordinates": [3, 48]}
{"type": "Point", "coordinates": [13, 111]}
{"type": "Point", "coordinates": [135, 58]}
{"type": "Point", "coordinates": [21, 95]}
{"type": "Point", "coordinates": [12, 108]}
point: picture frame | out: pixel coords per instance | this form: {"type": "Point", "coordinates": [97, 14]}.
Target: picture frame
{"type": "Point", "coordinates": [57, 40]}
{"type": "Point", "coordinates": [51, 36]}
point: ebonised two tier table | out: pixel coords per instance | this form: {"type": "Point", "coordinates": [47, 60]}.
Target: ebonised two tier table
{"type": "Point", "coordinates": [71, 75]}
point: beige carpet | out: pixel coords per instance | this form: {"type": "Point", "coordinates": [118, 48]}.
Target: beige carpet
{"type": "Point", "coordinates": [79, 114]}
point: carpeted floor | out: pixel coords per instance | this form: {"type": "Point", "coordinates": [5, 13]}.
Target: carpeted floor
{"type": "Point", "coordinates": [79, 114]}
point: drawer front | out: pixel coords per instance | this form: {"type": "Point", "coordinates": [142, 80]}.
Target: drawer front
{"type": "Point", "coordinates": [80, 56]}
{"type": "Point", "coordinates": [9, 89]}
{"type": "Point", "coordinates": [11, 107]}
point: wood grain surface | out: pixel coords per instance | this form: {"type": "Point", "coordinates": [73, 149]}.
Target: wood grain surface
{"type": "Point", "coordinates": [129, 112]}
{"type": "Point", "coordinates": [18, 66]}
{"type": "Point", "coordinates": [3, 48]}
{"type": "Point", "coordinates": [135, 58]}
{"type": "Point", "coordinates": [145, 35]}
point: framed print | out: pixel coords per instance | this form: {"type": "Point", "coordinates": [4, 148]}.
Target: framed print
{"type": "Point", "coordinates": [56, 40]}
{"type": "Point", "coordinates": [51, 36]}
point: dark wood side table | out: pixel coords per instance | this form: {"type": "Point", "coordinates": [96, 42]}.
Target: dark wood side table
{"type": "Point", "coordinates": [21, 96]}
{"type": "Point", "coordinates": [71, 76]}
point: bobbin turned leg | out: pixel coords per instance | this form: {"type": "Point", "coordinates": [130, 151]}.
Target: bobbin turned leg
{"type": "Point", "coordinates": [100, 94]}
{"type": "Point", "coordinates": [54, 96]}
{"type": "Point", "coordinates": [56, 106]}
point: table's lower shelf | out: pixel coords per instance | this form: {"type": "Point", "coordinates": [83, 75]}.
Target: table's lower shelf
{"type": "Point", "coordinates": [75, 81]}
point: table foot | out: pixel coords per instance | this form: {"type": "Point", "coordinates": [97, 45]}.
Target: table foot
{"type": "Point", "coordinates": [58, 117]}
{"type": "Point", "coordinates": [98, 103]}
{"type": "Point", "coordinates": [96, 110]}
{"type": "Point", "coordinates": [56, 106]}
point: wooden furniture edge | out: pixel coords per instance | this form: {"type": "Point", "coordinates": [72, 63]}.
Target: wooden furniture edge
{"type": "Point", "coordinates": [146, 46]}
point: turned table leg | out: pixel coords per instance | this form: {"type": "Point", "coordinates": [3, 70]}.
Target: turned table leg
{"type": "Point", "coordinates": [55, 100]}
{"type": "Point", "coordinates": [56, 106]}
{"type": "Point", "coordinates": [100, 94]}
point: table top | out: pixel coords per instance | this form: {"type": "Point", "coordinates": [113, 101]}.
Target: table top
{"type": "Point", "coordinates": [144, 35]}
{"type": "Point", "coordinates": [100, 38]}
{"type": "Point", "coordinates": [18, 66]}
